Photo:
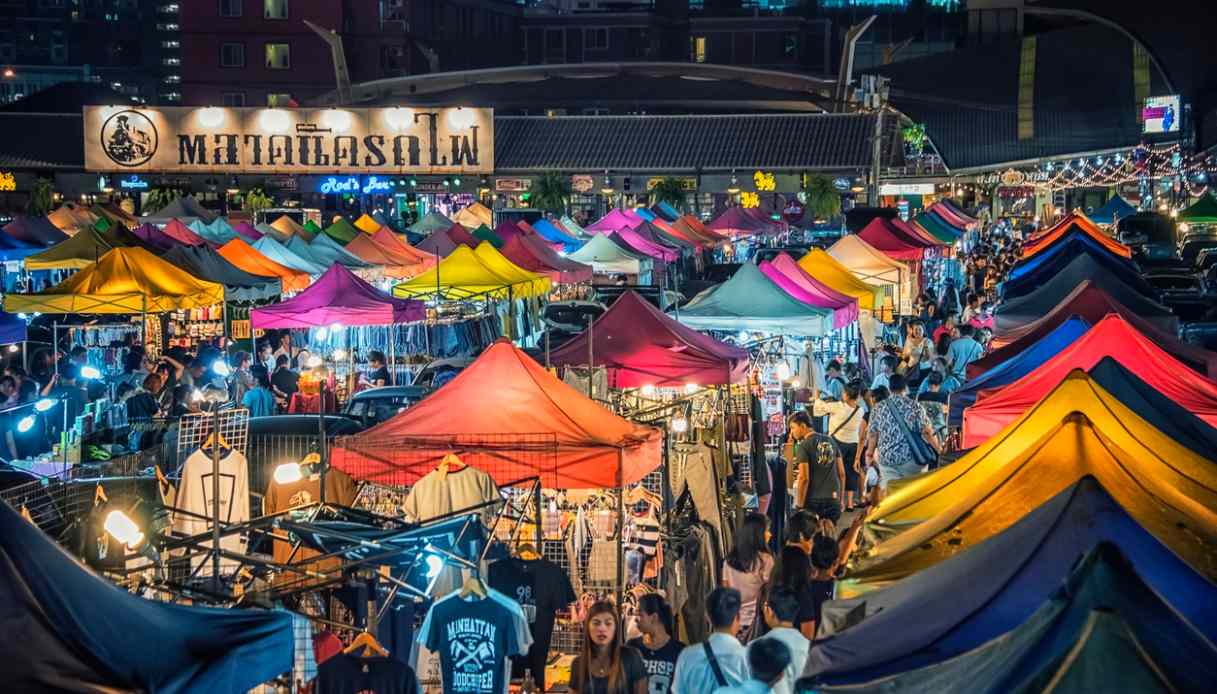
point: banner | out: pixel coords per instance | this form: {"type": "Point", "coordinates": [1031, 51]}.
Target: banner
{"type": "Point", "coordinates": [289, 141]}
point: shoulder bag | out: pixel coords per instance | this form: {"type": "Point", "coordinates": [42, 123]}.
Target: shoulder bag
{"type": "Point", "coordinates": [923, 453]}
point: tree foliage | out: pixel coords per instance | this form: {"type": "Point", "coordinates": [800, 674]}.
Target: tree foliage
{"type": "Point", "coordinates": [551, 192]}
{"type": "Point", "coordinates": [823, 199]}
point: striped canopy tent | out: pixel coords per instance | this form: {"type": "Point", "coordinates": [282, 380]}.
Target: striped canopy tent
{"type": "Point", "coordinates": [78, 252]}
{"type": "Point", "coordinates": [246, 258]}
{"type": "Point", "coordinates": [342, 231]}
{"type": "Point", "coordinates": [280, 253]}
{"type": "Point", "coordinates": [474, 216]}
{"type": "Point", "coordinates": [289, 227]}
{"type": "Point", "coordinates": [123, 281]}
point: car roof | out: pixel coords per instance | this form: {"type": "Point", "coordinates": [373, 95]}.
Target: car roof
{"type": "Point", "coordinates": [388, 392]}
{"type": "Point", "coordinates": [301, 425]}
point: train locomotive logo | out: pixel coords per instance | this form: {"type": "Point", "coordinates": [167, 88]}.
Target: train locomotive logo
{"type": "Point", "coordinates": [129, 138]}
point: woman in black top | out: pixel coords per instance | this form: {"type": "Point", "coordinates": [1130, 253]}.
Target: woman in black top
{"type": "Point", "coordinates": [793, 572]}
{"type": "Point", "coordinates": [604, 665]}
{"type": "Point", "coordinates": [656, 645]}
{"type": "Point", "coordinates": [379, 376]}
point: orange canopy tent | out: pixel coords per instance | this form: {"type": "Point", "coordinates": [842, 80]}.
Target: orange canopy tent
{"type": "Point", "coordinates": [397, 265]}
{"type": "Point", "coordinates": [1080, 223]}
{"type": "Point", "coordinates": [247, 258]}
{"type": "Point", "coordinates": [394, 244]}
{"type": "Point", "coordinates": [505, 414]}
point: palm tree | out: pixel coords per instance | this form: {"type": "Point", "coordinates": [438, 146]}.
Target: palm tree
{"type": "Point", "coordinates": [551, 192]}
{"type": "Point", "coordinates": [256, 200]}
{"type": "Point", "coordinates": [671, 190]}
{"type": "Point", "coordinates": [41, 197]}
{"type": "Point", "coordinates": [823, 200]}
{"type": "Point", "coordinates": [159, 197]}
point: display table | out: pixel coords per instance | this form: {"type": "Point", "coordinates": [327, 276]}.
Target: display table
{"type": "Point", "coordinates": [302, 403]}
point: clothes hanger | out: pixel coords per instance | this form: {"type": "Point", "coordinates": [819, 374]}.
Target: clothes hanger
{"type": "Point", "coordinates": [451, 462]}
{"type": "Point", "coordinates": [527, 551]}
{"type": "Point", "coordinates": [366, 641]}
{"type": "Point", "coordinates": [25, 513]}
{"type": "Point", "coordinates": [473, 585]}
{"type": "Point", "coordinates": [213, 439]}
{"type": "Point", "coordinates": [160, 476]}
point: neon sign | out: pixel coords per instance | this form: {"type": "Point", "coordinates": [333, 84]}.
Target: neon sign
{"type": "Point", "coordinates": [7, 181]}
{"type": "Point", "coordinates": [335, 185]}
{"type": "Point", "coordinates": [133, 182]}
{"type": "Point", "coordinates": [375, 185]}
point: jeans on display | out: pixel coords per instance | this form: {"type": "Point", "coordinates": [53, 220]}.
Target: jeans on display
{"type": "Point", "coordinates": [635, 561]}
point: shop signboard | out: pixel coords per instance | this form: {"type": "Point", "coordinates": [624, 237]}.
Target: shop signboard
{"type": "Point", "coordinates": [281, 183]}
{"type": "Point", "coordinates": [1014, 177]}
{"type": "Point", "coordinates": [8, 182]}
{"type": "Point", "coordinates": [842, 184]}
{"type": "Point", "coordinates": [355, 185]}
{"type": "Point", "coordinates": [1161, 114]}
{"type": "Point", "coordinates": [133, 182]}
{"type": "Point", "coordinates": [386, 141]}
{"type": "Point", "coordinates": [793, 211]}
{"type": "Point", "coordinates": [512, 185]}
{"type": "Point", "coordinates": [906, 189]}
{"type": "Point", "coordinates": [688, 185]}
{"type": "Point", "coordinates": [582, 184]}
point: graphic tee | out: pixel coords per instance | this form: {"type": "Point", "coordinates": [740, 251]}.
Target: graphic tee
{"type": "Point", "coordinates": [474, 637]}
{"type": "Point", "coordinates": [542, 588]}
{"type": "Point", "coordinates": [660, 664]}
{"type": "Point", "coordinates": [194, 495]}
{"type": "Point", "coordinates": [819, 453]}
{"type": "Point", "coordinates": [349, 674]}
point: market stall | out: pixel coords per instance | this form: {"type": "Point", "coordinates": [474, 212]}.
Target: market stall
{"type": "Point", "coordinates": [80, 251]}
{"type": "Point", "coordinates": [341, 231]}
{"type": "Point", "coordinates": [610, 259]}
{"type": "Point", "coordinates": [871, 266]}
{"type": "Point", "coordinates": [279, 253]}
{"type": "Point", "coordinates": [36, 231]}
{"type": "Point", "coordinates": [787, 274]}
{"type": "Point", "coordinates": [751, 301]}
{"type": "Point", "coordinates": [430, 223]}
{"type": "Point", "coordinates": [243, 256]}
{"type": "Point", "coordinates": [1130, 290]}
{"type": "Point", "coordinates": [474, 216]}
{"type": "Point", "coordinates": [289, 227]}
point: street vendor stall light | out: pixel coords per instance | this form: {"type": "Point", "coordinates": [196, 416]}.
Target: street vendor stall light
{"type": "Point", "coordinates": [648, 390]}
{"type": "Point", "coordinates": [122, 528]}
{"type": "Point", "coordinates": [783, 371]}
{"type": "Point", "coordinates": [288, 473]}
{"type": "Point", "coordinates": [220, 367]}
{"type": "Point", "coordinates": [26, 423]}
{"type": "Point", "coordinates": [211, 117]}
{"type": "Point", "coordinates": [314, 362]}
{"type": "Point", "coordinates": [1185, 227]}
{"type": "Point", "coordinates": [340, 354]}
{"type": "Point", "coordinates": [679, 424]}
{"type": "Point", "coordinates": [691, 388]}
{"type": "Point", "coordinates": [44, 404]}
{"type": "Point", "coordinates": [90, 372]}
{"type": "Point", "coordinates": [734, 187]}
{"type": "Point", "coordinates": [14, 348]}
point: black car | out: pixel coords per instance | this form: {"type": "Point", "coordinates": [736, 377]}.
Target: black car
{"type": "Point", "coordinates": [1194, 242]}
{"type": "Point", "coordinates": [1181, 291]}
{"type": "Point", "coordinates": [374, 405]}
{"type": "Point", "coordinates": [566, 319]}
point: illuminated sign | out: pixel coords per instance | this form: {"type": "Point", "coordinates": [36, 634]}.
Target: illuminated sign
{"type": "Point", "coordinates": [133, 182]}
{"type": "Point", "coordinates": [689, 185]}
{"type": "Point", "coordinates": [749, 200]}
{"type": "Point", "coordinates": [1161, 114]}
{"type": "Point", "coordinates": [7, 181]}
{"type": "Point", "coordinates": [388, 141]}
{"type": "Point", "coordinates": [764, 181]}
{"type": "Point", "coordinates": [512, 185]}
{"type": "Point", "coordinates": [841, 184]}
{"type": "Point", "coordinates": [582, 184]}
{"type": "Point", "coordinates": [906, 189]}
{"type": "Point", "coordinates": [343, 185]}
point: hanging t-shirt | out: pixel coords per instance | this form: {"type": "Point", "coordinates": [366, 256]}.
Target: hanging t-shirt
{"type": "Point", "coordinates": [194, 495]}
{"type": "Point", "coordinates": [340, 490]}
{"type": "Point", "coordinates": [439, 493]}
{"type": "Point", "coordinates": [474, 637]}
{"type": "Point", "coordinates": [350, 674]}
{"type": "Point", "coordinates": [660, 664]}
{"type": "Point", "coordinates": [542, 588]}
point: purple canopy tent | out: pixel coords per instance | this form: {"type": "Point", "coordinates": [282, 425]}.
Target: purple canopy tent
{"type": "Point", "coordinates": [338, 296]}
{"type": "Point", "coordinates": [152, 235]}
{"type": "Point", "coordinates": [247, 230]}
{"type": "Point", "coordinates": [437, 243]}
{"type": "Point", "coordinates": [615, 220]}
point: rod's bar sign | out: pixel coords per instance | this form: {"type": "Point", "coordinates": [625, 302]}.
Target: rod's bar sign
{"type": "Point", "coordinates": [289, 140]}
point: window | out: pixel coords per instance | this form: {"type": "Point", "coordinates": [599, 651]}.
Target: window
{"type": "Point", "coordinates": [232, 55]}
{"type": "Point", "coordinates": [595, 39]}
{"type": "Point", "coordinates": [230, 8]}
{"type": "Point", "coordinates": [171, 61]}
{"type": "Point", "coordinates": [275, 9]}
{"type": "Point", "coordinates": [170, 44]}
{"type": "Point", "coordinates": [278, 100]}
{"type": "Point", "coordinates": [697, 49]}
{"type": "Point", "coordinates": [235, 99]}
{"type": "Point", "coordinates": [171, 79]}
{"type": "Point", "coordinates": [278, 56]}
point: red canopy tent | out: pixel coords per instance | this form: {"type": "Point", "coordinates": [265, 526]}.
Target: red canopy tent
{"type": "Point", "coordinates": [1092, 303]}
{"type": "Point", "coordinates": [1111, 337]}
{"type": "Point", "coordinates": [511, 406]}
{"type": "Point", "coordinates": [177, 231]}
{"type": "Point", "coordinates": [641, 345]}
{"type": "Point", "coordinates": [682, 232]}
{"type": "Point", "coordinates": [535, 255]}
{"type": "Point", "coordinates": [460, 235]}
{"type": "Point", "coordinates": [892, 242]}
{"type": "Point", "coordinates": [916, 233]}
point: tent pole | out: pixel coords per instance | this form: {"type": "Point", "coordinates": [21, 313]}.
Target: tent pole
{"type": "Point", "coordinates": [591, 356]}
{"type": "Point", "coordinates": [392, 356]}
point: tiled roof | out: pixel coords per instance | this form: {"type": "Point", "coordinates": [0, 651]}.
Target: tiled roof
{"type": "Point", "coordinates": [41, 141]}
{"type": "Point", "coordinates": [683, 143]}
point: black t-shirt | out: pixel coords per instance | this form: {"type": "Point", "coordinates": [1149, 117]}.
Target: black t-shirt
{"type": "Point", "coordinates": [819, 453]}
{"type": "Point", "coordinates": [660, 664]}
{"type": "Point", "coordinates": [542, 588]}
{"type": "Point", "coordinates": [349, 674]}
{"type": "Point", "coordinates": [631, 663]}
{"type": "Point", "coordinates": [286, 381]}
{"type": "Point", "coordinates": [142, 406]}
{"type": "Point", "coordinates": [821, 592]}
{"type": "Point", "coordinates": [381, 374]}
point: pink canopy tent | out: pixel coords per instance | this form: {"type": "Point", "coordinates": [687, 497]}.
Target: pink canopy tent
{"type": "Point", "coordinates": [508, 230]}
{"type": "Point", "coordinates": [615, 220]}
{"type": "Point", "coordinates": [952, 215]}
{"type": "Point", "coordinates": [338, 296]}
{"type": "Point", "coordinates": [247, 230]}
{"type": "Point", "coordinates": [182, 234]}
{"type": "Point", "coordinates": [787, 274]}
{"type": "Point", "coordinates": [736, 221]}
{"type": "Point", "coordinates": [633, 240]}
{"type": "Point", "coordinates": [534, 255]}
{"type": "Point", "coordinates": [891, 241]}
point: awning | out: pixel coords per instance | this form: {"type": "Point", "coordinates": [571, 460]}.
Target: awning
{"type": "Point", "coordinates": [243, 255]}
{"type": "Point", "coordinates": [338, 296]}
{"type": "Point", "coordinates": [751, 301]}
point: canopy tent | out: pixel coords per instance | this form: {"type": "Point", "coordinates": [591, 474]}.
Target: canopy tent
{"type": "Point", "coordinates": [438, 244]}
{"type": "Point", "coordinates": [573, 230]}
{"type": "Point", "coordinates": [1079, 429]}
{"type": "Point", "coordinates": [1016, 311]}
{"type": "Point", "coordinates": [943, 613]}
{"type": "Point", "coordinates": [1112, 211]}
{"type": "Point", "coordinates": [13, 329]}
{"type": "Point", "coordinates": [616, 218]}
{"type": "Point", "coordinates": [645, 213]}
{"type": "Point", "coordinates": [608, 258]}
{"type": "Point", "coordinates": [1113, 337]}
{"type": "Point", "coordinates": [666, 211]}
{"type": "Point", "coordinates": [861, 259]}
{"type": "Point", "coordinates": [698, 232]}
{"type": "Point", "coordinates": [696, 224]}
{"type": "Point", "coordinates": [395, 265]}
{"type": "Point", "coordinates": [268, 230]}
{"type": "Point", "coordinates": [69, 217]}
{"type": "Point", "coordinates": [13, 249]}
{"type": "Point", "coordinates": [553, 234]}
{"type": "Point", "coordinates": [538, 257]}
{"type": "Point", "coordinates": [1157, 409]}
{"type": "Point", "coordinates": [304, 249]}
{"type": "Point", "coordinates": [952, 211]}
{"type": "Point", "coordinates": [72, 630]}
{"type": "Point", "coordinates": [367, 224]}
{"type": "Point", "coordinates": [465, 274]}
{"type": "Point", "coordinates": [483, 233]}
{"type": "Point", "coordinates": [115, 213]}
{"type": "Point", "coordinates": [243, 256]}
{"type": "Point", "coordinates": [844, 306]}
{"type": "Point", "coordinates": [80, 251]}
{"type": "Point", "coordinates": [474, 216]}
{"type": "Point", "coordinates": [1073, 226]}
{"type": "Point", "coordinates": [825, 269]}
{"type": "Point", "coordinates": [794, 289]}
{"type": "Point", "coordinates": [736, 222]}
{"type": "Point", "coordinates": [656, 234]}
{"type": "Point", "coordinates": [218, 231]}
{"type": "Point", "coordinates": [499, 264]}
{"type": "Point", "coordinates": [915, 233]}
{"type": "Point", "coordinates": [124, 280]}
{"type": "Point", "coordinates": [683, 234]}
{"type": "Point", "coordinates": [394, 244]}
{"type": "Point", "coordinates": [461, 235]}
{"type": "Point", "coordinates": [508, 230]}
{"type": "Point", "coordinates": [631, 240]}
{"type": "Point", "coordinates": [639, 345]}
{"type": "Point", "coordinates": [432, 222]}
{"type": "Point", "coordinates": [937, 227]}
{"type": "Point", "coordinates": [891, 241]}
{"type": "Point", "coordinates": [279, 253]}
{"type": "Point", "coordinates": [1017, 366]}
{"type": "Point", "coordinates": [1204, 211]}
{"type": "Point", "coordinates": [247, 231]}
{"type": "Point", "coordinates": [327, 251]}
{"type": "Point", "coordinates": [1033, 272]}
{"type": "Point", "coordinates": [288, 226]}
{"type": "Point", "coordinates": [36, 231]}
{"type": "Point", "coordinates": [342, 231]}
{"type": "Point", "coordinates": [1092, 303]}
{"type": "Point", "coordinates": [338, 296]}
{"type": "Point", "coordinates": [751, 301]}
{"type": "Point", "coordinates": [312, 227]}
{"type": "Point", "coordinates": [507, 395]}
{"type": "Point", "coordinates": [184, 208]}
{"type": "Point", "coordinates": [181, 233]}
{"type": "Point", "coordinates": [121, 236]}
{"type": "Point", "coordinates": [239, 285]}
{"type": "Point", "coordinates": [154, 237]}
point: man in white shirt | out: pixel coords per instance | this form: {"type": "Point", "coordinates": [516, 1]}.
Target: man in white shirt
{"type": "Point", "coordinates": [721, 660]}
{"type": "Point", "coordinates": [769, 660]}
{"type": "Point", "coordinates": [781, 611]}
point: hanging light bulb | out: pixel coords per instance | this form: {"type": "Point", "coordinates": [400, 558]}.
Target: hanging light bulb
{"type": "Point", "coordinates": [783, 371]}
{"type": "Point", "coordinates": [123, 529]}
{"type": "Point", "coordinates": [691, 388]}
{"type": "Point", "coordinates": [26, 423]}
{"type": "Point", "coordinates": [679, 423]}
{"type": "Point", "coordinates": [288, 473]}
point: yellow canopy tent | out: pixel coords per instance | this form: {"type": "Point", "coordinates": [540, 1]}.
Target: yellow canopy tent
{"type": "Point", "coordinates": [78, 252]}
{"type": "Point", "coordinates": [288, 226]}
{"type": "Point", "coordinates": [474, 216]}
{"type": "Point", "coordinates": [492, 258]}
{"type": "Point", "coordinates": [826, 269]}
{"type": "Point", "coordinates": [1077, 430]}
{"type": "Point", "coordinates": [365, 223]}
{"type": "Point", "coordinates": [463, 275]}
{"type": "Point", "coordinates": [124, 280]}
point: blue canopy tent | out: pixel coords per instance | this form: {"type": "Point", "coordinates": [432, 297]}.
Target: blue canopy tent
{"type": "Point", "coordinates": [1104, 630]}
{"type": "Point", "coordinates": [1017, 366]}
{"type": "Point", "coordinates": [68, 629]}
{"type": "Point", "coordinates": [13, 329]}
{"type": "Point", "coordinates": [944, 611]}
{"type": "Point", "coordinates": [37, 231]}
{"type": "Point", "coordinates": [1112, 211]}
{"type": "Point", "coordinates": [218, 231]}
{"type": "Point", "coordinates": [553, 234]}
{"type": "Point", "coordinates": [1043, 265]}
{"type": "Point", "coordinates": [328, 251]}
{"type": "Point", "coordinates": [646, 214]}
{"type": "Point", "coordinates": [16, 249]}
{"type": "Point", "coordinates": [1132, 291]}
{"type": "Point", "coordinates": [665, 211]}
{"type": "Point", "coordinates": [279, 253]}
{"type": "Point", "coordinates": [300, 247]}
{"type": "Point", "coordinates": [751, 301]}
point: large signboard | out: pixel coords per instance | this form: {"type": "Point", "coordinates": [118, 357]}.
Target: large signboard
{"type": "Point", "coordinates": [1161, 114]}
{"type": "Point", "coordinates": [289, 141]}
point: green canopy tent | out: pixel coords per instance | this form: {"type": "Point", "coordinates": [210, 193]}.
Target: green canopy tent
{"type": "Point", "coordinates": [484, 233]}
{"type": "Point", "coordinates": [80, 251]}
{"type": "Point", "coordinates": [1203, 212]}
{"type": "Point", "coordinates": [342, 231]}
